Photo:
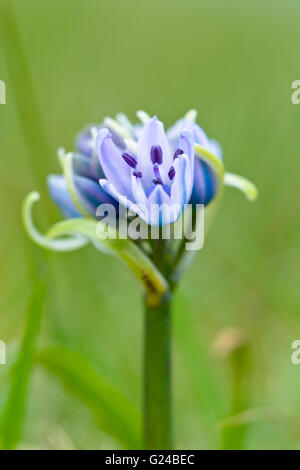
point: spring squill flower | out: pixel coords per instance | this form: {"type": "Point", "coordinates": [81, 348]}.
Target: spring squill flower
{"type": "Point", "coordinates": [149, 173]}
{"type": "Point", "coordinates": [138, 167]}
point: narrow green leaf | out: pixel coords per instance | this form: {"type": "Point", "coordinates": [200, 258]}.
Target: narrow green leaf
{"type": "Point", "coordinates": [115, 413]}
{"type": "Point", "coordinates": [13, 413]}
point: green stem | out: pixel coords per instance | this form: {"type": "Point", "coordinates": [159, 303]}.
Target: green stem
{"type": "Point", "coordinates": [157, 376]}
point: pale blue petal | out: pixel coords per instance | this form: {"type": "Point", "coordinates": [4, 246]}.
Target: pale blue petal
{"type": "Point", "coordinates": [92, 195]}
{"type": "Point", "coordinates": [109, 188]}
{"type": "Point", "coordinates": [174, 132]}
{"type": "Point", "coordinates": [186, 143]}
{"type": "Point", "coordinates": [183, 181]}
{"type": "Point", "coordinates": [84, 140]}
{"type": "Point", "coordinates": [152, 134]}
{"type": "Point", "coordinates": [138, 190]}
{"type": "Point", "coordinates": [161, 208]}
{"type": "Point", "coordinates": [86, 166]}
{"type": "Point", "coordinates": [204, 188]}
{"type": "Point", "coordinates": [199, 135]}
{"type": "Point", "coordinates": [58, 191]}
{"type": "Point", "coordinates": [115, 169]}
{"type": "Point", "coordinates": [215, 148]}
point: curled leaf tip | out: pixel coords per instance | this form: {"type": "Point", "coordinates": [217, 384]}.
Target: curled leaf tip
{"type": "Point", "coordinates": [243, 184]}
{"type": "Point", "coordinates": [191, 115]}
{"type": "Point", "coordinates": [66, 244]}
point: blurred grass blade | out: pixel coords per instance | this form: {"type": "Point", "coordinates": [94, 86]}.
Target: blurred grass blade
{"type": "Point", "coordinates": [21, 85]}
{"type": "Point", "coordinates": [115, 414]}
{"type": "Point", "coordinates": [13, 413]}
{"type": "Point", "coordinates": [207, 388]}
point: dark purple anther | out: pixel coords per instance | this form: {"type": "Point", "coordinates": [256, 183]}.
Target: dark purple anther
{"type": "Point", "coordinates": [157, 177]}
{"type": "Point", "coordinates": [131, 161]}
{"type": "Point", "coordinates": [156, 154]}
{"type": "Point", "coordinates": [137, 174]}
{"type": "Point", "coordinates": [171, 173]}
{"type": "Point", "coordinates": [157, 181]}
{"type": "Point", "coordinates": [177, 153]}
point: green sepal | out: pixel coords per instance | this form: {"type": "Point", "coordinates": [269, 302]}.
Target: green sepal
{"type": "Point", "coordinates": [241, 183]}
{"type": "Point", "coordinates": [65, 244]}
{"type": "Point", "coordinates": [66, 161]}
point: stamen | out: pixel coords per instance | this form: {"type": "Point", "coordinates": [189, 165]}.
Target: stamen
{"type": "Point", "coordinates": [177, 153]}
{"type": "Point", "coordinates": [171, 173]}
{"type": "Point", "coordinates": [156, 154]}
{"type": "Point", "coordinates": [157, 181]}
{"type": "Point", "coordinates": [156, 172]}
{"type": "Point", "coordinates": [129, 159]}
{"type": "Point", "coordinates": [137, 174]}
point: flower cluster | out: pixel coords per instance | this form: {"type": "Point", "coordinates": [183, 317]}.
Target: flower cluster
{"type": "Point", "coordinates": [135, 167]}
{"type": "Point", "coordinates": [139, 166]}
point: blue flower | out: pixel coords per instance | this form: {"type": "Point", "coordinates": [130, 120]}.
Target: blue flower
{"type": "Point", "coordinates": [151, 172]}
{"type": "Point", "coordinates": [149, 175]}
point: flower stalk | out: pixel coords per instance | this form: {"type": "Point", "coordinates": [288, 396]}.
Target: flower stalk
{"type": "Point", "coordinates": [157, 375]}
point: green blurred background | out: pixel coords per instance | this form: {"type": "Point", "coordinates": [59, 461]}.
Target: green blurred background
{"type": "Point", "coordinates": [234, 62]}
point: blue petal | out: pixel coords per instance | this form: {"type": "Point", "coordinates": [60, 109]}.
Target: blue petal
{"type": "Point", "coordinates": [185, 124]}
{"type": "Point", "coordinates": [186, 143]}
{"type": "Point", "coordinates": [84, 140]}
{"type": "Point", "coordinates": [215, 148]}
{"type": "Point", "coordinates": [174, 132]}
{"type": "Point", "coordinates": [161, 208]}
{"type": "Point", "coordinates": [115, 169]}
{"type": "Point", "coordinates": [109, 188]}
{"type": "Point", "coordinates": [204, 188]}
{"type": "Point", "coordinates": [86, 166]}
{"type": "Point", "coordinates": [183, 181]}
{"type": "Point", "coordinates": [92, 195]}
{"type": "Point", "coordinates": [58, 191]}
{"type": "Point", "coordinates": [199, 135]}
{"type": "Point", "coordinates": [152, 134]}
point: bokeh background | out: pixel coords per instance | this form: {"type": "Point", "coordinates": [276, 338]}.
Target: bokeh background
{"type": "Point", "coordinates": [67, 63]}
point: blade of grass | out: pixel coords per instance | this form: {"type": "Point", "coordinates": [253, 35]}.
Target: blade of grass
{"type": "Point", "coordinates": [22, 86]}
{"type": "Point", "coordinates": [115, 413]}
{"type": "Point", "coordinates": [13, 413]}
